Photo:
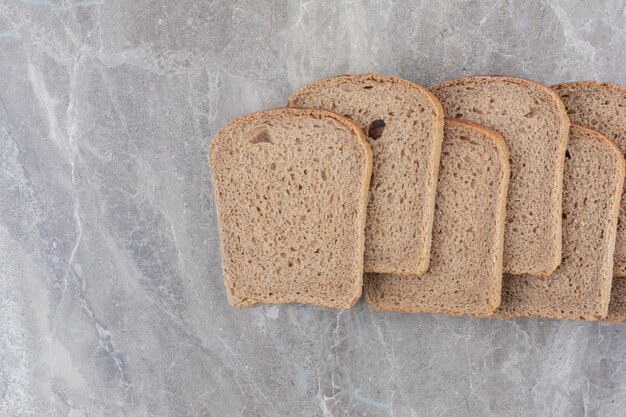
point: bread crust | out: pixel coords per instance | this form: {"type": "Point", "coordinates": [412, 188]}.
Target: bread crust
{"type": "Point", "coordinates": [586, 83]}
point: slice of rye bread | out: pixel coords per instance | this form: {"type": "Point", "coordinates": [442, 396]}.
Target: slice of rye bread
{"type": "Point", "coordinates": [533, 121]}
{"type": "Point", "coordinates": [617, 307]}
{"type": "Point", "coordinates": [580, 287]}
{"type": "Point", "coordinates": [602, 107]}
{"type": "Point", "coordinates": [465, 272]}
{"type": "Point", "coordinates": [291, 195]}
{"type": "Point", "coordinates": [404, 125]}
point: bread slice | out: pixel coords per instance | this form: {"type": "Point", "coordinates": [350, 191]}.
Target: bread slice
{"type": "Point", "coordinates": [466, 261]}
{"type": "Point", "coordinates": [580, 288]}
{"type": "Point", "coordinates": [533, 121]}
{"type": "Point", "coordinates": [617, 307]}
{"type": "Point", "coordinates": [602, 107]}
{"type": "Point", "coordinates": [291, 195]}
{"type": "Point", "coordinates": [404, 125]}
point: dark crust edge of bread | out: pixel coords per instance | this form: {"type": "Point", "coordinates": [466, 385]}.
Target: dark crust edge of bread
{"type": "Point", "coordinates": [588, 83]}
{"type": "Point", "coordinates": [563, 136]}
{"type": "Point", "coordinates": [438, 122]}
{"type": "Point", "coordinates": [614, 211]}
{"type": "Point", "coordinates": [503, 155]}
{"type": "Point", "coordinates": [436, 106]}
{"type": "Point", "coordinates": [367, 173]}
{"type": "Point", "coordinates": [592, 83]}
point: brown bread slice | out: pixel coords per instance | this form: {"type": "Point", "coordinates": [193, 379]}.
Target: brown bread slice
{"type": "Point", "coordinates": [534, 124]}
{"type": "Point", "coordinates": [291, 195]}
{"type": "Point", "coordinates": [466, 261]}
{"type": "Point", "coordinates": [617, 307]}
{"type": "Point", "coordinates": [602, 107]}
{"type": "Point", "coordinates": [580, 288]}
{"type": "Point", "coordinates": [404, 125]}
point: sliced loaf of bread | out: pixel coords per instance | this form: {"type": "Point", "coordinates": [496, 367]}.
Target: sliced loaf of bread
{"type": "Point", "coordinates": [466, 261]}
{"type": "Point", "coordinates": [534, 124]}
{"type": "Point", "coordinates": [404, 125]}
{"type": "Point", "coordinates": [602, 107]}
{"type": "Point", "coordinates": [291, 195]}
{"type": "Point", "coordinates": [580, 288]}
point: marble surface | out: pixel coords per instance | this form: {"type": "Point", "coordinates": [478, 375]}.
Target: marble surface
{"type": "Point", "coordinates": [111, 296]}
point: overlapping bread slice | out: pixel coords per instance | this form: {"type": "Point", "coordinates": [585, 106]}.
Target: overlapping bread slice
{"type": "Point", "coordinates": [617, 307]}
{"type": "Point", "coordinates": [580, 287]}
{"type": "Point", "coordinates": [602, 107]}
{"type": "Point", "coordinates": [534, 124]}
{"type": "Point", "coordinates": [466, 261]}
{"type": "Point", "coordinates": [404, 125]}
{"type": "Point", "coordinates": [291, 194]}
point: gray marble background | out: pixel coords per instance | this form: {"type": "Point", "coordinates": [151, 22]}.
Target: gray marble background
{"type": "Point", "coordinates": [111, 299]}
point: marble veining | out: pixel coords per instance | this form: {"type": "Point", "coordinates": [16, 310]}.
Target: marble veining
{"type": "Point", "coordinates": [111, 296]}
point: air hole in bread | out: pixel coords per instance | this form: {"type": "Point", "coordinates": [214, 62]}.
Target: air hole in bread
{"type": "Point", "coordinates": [376, 128]}
{"type": "Point", "coordinates": [368, 87]}
{"type": "Point", "coordinates": [567, 155]}
{"type": "Point", "coordinates": [532, 113]}
{"type": "Point", "coordinates": [260, 135]}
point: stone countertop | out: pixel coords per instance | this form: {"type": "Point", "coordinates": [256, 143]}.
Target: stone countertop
{"type": "Point", "coordinates": [111, 296]}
